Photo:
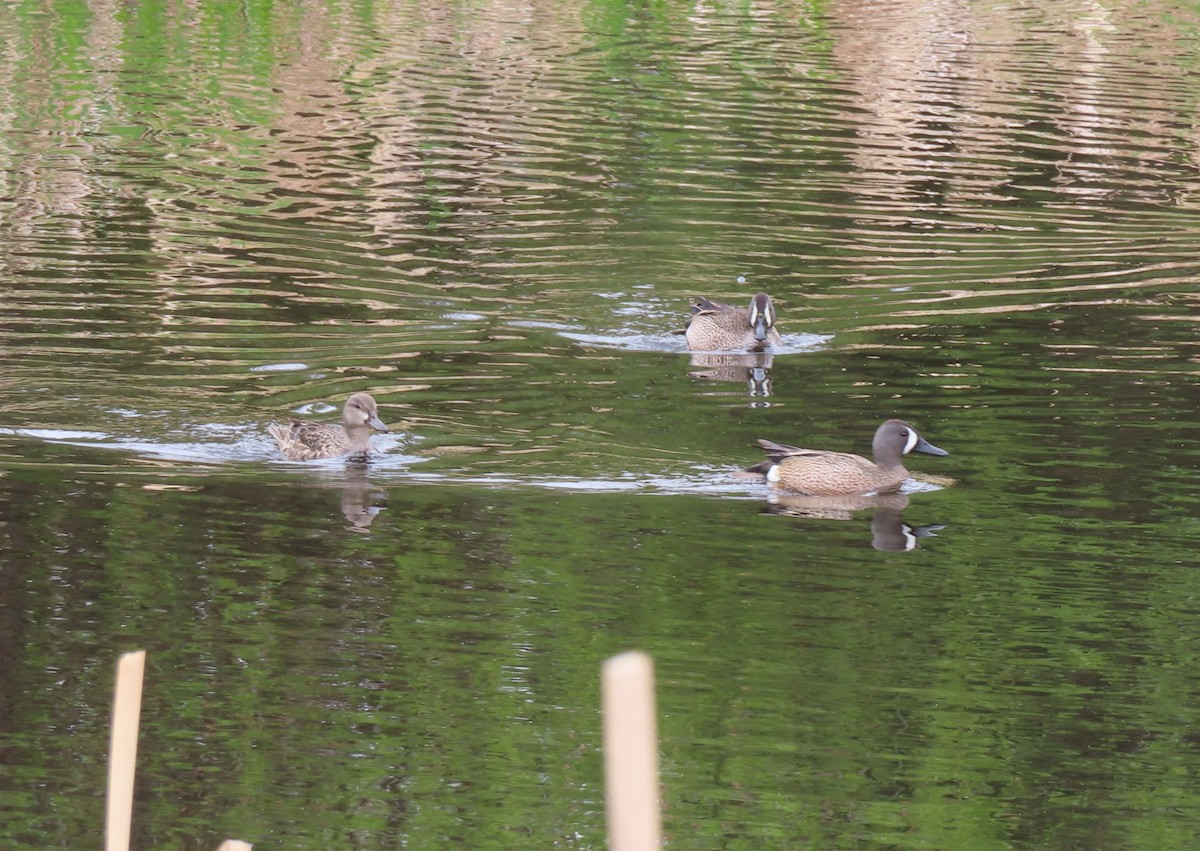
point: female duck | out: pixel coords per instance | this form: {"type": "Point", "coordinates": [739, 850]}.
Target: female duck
{"type": "Point", "coordinates": [304, 441]}
{"type": "Point", "coordinates": [821, 473]}
{"type": "Point", "coordinates": [715, 325]}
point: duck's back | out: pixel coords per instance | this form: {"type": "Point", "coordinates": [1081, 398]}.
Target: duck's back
{"type": "Point", "coordinates": [303, 441]}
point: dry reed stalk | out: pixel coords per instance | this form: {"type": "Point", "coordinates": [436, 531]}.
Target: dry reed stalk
{"type": "Point", "coordinates": [631, 753]}
{"type": "Point", "coordinates": [122, 749]}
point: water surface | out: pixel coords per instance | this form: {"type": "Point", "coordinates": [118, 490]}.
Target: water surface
{"type": "Point", "coordinates": [980, 217]}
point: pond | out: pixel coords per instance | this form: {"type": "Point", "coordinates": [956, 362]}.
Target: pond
{"type": "Point", "coordinates": [978, 217]}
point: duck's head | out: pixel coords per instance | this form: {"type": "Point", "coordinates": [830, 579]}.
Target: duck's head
{"type": "Point", "coordinates": [361, 411]}
{"type": "Point", "coordinates": [896, 437]}
{"type": "Point", "coordinates": [762, 316]}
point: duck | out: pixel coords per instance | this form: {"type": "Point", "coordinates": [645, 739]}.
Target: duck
{"type": "Point", "coordinates": [304, 441]}
{"type": "Point", "coordinates": [714, 325]}
{"type": "Point", "coordinates": [818, 472]}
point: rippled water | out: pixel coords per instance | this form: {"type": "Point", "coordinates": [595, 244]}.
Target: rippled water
{"type": "Point", "coordinates": [978, 216]}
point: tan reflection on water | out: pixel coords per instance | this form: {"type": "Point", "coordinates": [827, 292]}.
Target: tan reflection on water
{"type": "Point", "coordinates": [325, 189]}
{"type": "Point", "coordinates": [950, 88]}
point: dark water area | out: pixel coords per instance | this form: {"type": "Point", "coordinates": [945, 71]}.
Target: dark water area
{"type": "Point", "coordinates": [980, 217]}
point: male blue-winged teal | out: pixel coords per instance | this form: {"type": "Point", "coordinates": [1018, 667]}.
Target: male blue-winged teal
{"type": "Point", "coordinates": [715, 325]}
{"type": "Point", "coordinates": [304, 441]}
{"type": "Point", "coordinates": [822, 473]}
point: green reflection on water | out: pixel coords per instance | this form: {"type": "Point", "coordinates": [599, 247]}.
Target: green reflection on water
{"type": "Point", "coordinates": [437, 678]}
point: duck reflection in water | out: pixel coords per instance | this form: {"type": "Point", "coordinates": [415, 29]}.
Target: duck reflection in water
{"type": "Point", "coordinates": [357, 504]}
{"type": "Point", "coordinates": [888, 531]}
{"type": "Point", "coordinates": [752, 368]}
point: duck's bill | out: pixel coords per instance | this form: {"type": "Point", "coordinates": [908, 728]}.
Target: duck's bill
{"type": "Point", "coordinates": [928, 448]}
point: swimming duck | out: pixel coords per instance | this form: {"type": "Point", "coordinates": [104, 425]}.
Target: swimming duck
{"type": "Point", "coordinates": [304, 441]}
{"type": "Point", "coordinates": [822, 473]}
{"type": "Point", "coordinates": [715, 325]}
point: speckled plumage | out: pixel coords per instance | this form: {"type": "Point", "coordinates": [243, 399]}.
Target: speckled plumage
{"type": "Point", "coordinates": [304, 441]}
{"type": "Point", "coordinates": [714, 325]}
{"type": "Point", "coordinates": [822, 473]}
